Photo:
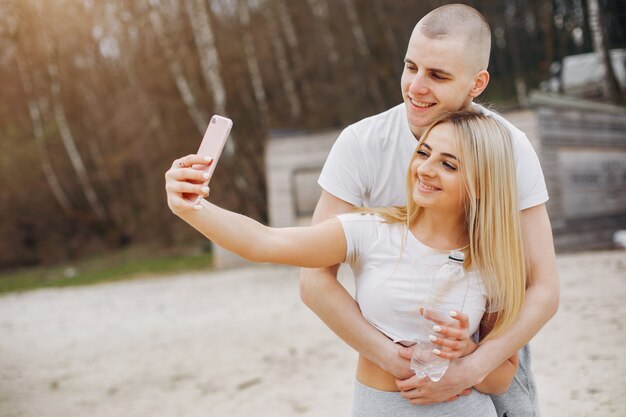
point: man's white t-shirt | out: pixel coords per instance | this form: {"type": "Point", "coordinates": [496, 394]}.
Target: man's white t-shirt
{"type": "Point", "coordinates": [367, 166]}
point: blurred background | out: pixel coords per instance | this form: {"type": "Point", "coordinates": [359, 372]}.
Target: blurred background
{"type": "Point", "coordinates": [99, 96]}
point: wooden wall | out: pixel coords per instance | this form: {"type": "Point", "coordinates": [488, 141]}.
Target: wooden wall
{"type": "Point", "coordinates": [583, 154]}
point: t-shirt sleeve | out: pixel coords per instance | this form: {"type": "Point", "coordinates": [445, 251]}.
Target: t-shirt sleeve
{"type": "Point", "coordinates": [361, 232]}
{"type": "Point", "coordinates": [344, 173]}
{"type": "Point", "coordinates": [530, 181]}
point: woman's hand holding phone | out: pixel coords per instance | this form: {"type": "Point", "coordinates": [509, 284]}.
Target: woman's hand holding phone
{"type": "Point", "coordinates": [186, 181]}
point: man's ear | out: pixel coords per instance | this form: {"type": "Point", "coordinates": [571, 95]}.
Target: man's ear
{"type": "Point", "coordinates": [480, 83]}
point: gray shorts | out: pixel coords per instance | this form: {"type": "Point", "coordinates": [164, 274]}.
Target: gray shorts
{"type": "Point", "coordinates": [521, 398]}
{"type": "Point", "coordinates": [370, 402]}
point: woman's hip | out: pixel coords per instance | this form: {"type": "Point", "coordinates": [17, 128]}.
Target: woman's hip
{"type": "Point", "coordinates": [371, 402]}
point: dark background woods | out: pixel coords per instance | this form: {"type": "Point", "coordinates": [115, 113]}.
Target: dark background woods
{"type": "Point", "coordinates": [99, 96]}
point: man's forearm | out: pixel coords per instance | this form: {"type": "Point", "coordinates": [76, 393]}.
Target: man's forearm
{"type": "Point", "coordinates": [541, 299]}
{"type": "Point", "coordinates": [540, 304]}
{"type": "Point", "coordinates": [322, 293]}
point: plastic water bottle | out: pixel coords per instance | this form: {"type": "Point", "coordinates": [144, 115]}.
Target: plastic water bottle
{"type": "Point", "coordinates": [443, 297]}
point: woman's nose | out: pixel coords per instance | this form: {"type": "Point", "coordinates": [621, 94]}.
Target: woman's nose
{"type": "Point", "coordinates": [426, 168]}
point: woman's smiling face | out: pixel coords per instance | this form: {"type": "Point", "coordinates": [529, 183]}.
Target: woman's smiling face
{"type": "Point", "coordinates": [435, 172]}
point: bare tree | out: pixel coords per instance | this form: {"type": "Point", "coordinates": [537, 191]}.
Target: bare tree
{"type": "Point", "coordinates": [40, 139]}
{"type": "Point", "coordinates": [252, 61]}
{"type": "Point", "coordinates": [387, 28]}
{"type": "Point", "coordinates": [65, 131]}
{"type": "Point", "coordinates": [176, 69]}
{"type": "Point", "coordinates": [205, 45]}
{"type": "Point", "coordinates": [291, 37]}
{"type": "Point", "coordinates": [364, 51]}
{"type": "Point", "coordinates": [512, 19]}
{"type": "Point", "coordinates": [610, 84]}
{"type": "Point", "coordinates": [278, 47]}
{"type": "Point", "coordinates": [321, 14]}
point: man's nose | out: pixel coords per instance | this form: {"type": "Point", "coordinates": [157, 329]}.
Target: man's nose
{"type": "Point", "coordinates": [418, 84]}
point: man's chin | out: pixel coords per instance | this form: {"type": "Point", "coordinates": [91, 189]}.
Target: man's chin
{"type": "Point", "coordinates": [418, 122]}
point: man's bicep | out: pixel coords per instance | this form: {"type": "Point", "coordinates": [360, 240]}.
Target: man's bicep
{"type": "Point", "coordinates": [327, 206]}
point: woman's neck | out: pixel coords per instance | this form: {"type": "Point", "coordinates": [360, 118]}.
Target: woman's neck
{"type": "Point", "coordinates": [440, 231]}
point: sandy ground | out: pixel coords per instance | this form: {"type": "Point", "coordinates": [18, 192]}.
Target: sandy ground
{"type": "Point", "coordinates": [240, 343]}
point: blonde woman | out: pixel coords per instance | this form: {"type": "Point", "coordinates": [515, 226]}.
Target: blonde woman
{"type": "Point", "coordinates": [461, 195]}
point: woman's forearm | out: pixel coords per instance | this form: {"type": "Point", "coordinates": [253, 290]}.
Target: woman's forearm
{"type": "Point", "coordinates": [234, 232]}
{"type": "Point", "coordinates": [499, 380]}
{"type": "Point", "coordinates": [317, 246]}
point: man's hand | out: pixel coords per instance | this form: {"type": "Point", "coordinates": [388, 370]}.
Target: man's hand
{"type": "Point", "coordinates": [423, 391]}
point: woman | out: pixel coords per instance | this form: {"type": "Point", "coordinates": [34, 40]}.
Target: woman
{"type": "Point", "coordinates": [461, 195]}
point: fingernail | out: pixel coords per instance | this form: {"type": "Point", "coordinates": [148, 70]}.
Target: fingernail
{"type": "Point", "coordinates": [208, 158]}
{"type": "Point", "coordinates": [436, 351]}
{"type": "Point", "coordinates": [205, 190]}
{"type": "Point", "coordinates": [205, 175]}
{"type": "Point", "coordinates": [197, 207]}
{"type": "Point", "coordinates": [453, 314]}
{"type": "Point", "coordinates": [432, 338]}
{"type": "Point", "coordinates": [437, 328]}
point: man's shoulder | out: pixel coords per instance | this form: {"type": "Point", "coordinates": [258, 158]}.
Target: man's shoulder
{"type": "Point", "coordinates": [515, 131]}
{"type": "Point", "coordinates": [388, 118]}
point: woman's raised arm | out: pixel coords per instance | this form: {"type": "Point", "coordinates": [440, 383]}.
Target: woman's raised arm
{"type": "Point", "coordinates": [321, 245]}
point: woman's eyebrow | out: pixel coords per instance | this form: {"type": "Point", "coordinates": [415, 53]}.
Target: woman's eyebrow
{"type": "Point", "coordinates": [449, 155]}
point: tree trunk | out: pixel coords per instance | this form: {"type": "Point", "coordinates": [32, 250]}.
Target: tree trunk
{"type": "Point", "coordinates": [298, 61]}
{"type": "Point", "coordinates": [67, 138]}
{"type": "Point", "coordinates": [252, 62]}
{"type": "Point", "coordinates": [284, 69]}
{"type": "Point", "coordinates": [40, 140]}
{"type": "Point", "coordinates": [387, 28]}
{"type": "Point", "coordinates": [513, 46]}
{"type": "Point", "coordinates": [199, 119]}
{"type": "Point", "coordinates": [320, 12]}
{"type": "Point", "coordinates": [207, 52]}
{"type": "Point", "coordinates": [70, 144]}
{"type": "Point", "coordinates": [611, 87]}
{"type": "Point", "coordinates": [364, 51]}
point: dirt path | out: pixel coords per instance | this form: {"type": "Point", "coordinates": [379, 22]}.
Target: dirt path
{"type": "Point", "coordinates": [241, 343]}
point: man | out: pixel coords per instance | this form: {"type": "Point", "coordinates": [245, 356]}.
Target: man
{"type": "Point", "coordinates": [445, 69]}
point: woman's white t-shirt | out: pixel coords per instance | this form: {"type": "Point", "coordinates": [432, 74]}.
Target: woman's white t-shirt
{"type": "Point", "coordinates": [391, 280]}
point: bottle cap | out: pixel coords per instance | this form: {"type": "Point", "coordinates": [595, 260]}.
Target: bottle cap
{"type": "Point", "coordinates": [456, 255]}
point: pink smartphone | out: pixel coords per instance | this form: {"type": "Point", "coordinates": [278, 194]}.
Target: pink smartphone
{"type": "Point", "coordinates": [213, 142]}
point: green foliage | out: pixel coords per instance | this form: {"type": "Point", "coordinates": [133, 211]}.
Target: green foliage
{"type": "Point", "coordinates": [107, 268]}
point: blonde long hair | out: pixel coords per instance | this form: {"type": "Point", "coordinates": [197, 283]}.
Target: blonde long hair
{"type": "Point", "coordinates": [492, 213]}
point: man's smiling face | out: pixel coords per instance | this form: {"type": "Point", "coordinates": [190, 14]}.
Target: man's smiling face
{"type": "Point", "coordinates": [436, 79]}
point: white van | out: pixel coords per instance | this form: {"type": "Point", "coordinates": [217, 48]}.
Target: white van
{"type": "Point", "coordinates": [581, 75]}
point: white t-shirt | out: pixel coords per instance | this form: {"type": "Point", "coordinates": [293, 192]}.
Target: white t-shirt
{"type": "Point", "coordinates": [368, 163]}
{"type": "Point", "coordinates": [391, 283]}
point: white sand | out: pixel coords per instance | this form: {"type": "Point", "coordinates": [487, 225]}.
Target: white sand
{"type": "Point", "coordinates": [241, 343]}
